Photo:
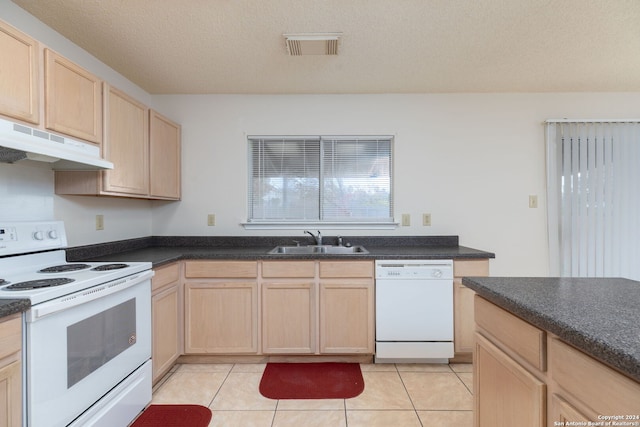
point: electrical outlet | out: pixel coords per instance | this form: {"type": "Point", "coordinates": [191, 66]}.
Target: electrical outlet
{"type": "Point", "coordinates": [426, 219]}
{"type": "Point", "coordinates": [99, 222]}
{"type": "Point", "coordinates": [406, 220]}
{"type": "Point", "coordinates": [533, 201]}
{"type": "Point", "coordinates": [211, 220]}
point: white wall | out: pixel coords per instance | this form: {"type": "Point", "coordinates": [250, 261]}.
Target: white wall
{"type": "Point", "coordinates": [471, 160]}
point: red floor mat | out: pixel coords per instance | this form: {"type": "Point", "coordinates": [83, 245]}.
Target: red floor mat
{"type": "Point", "coordinates": [174, 416]}
{"type": "Point", "coordinates": [311, 381]}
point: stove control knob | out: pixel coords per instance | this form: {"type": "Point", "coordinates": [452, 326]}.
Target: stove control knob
{"type": "Point", "coordinates": [437, 273]}
{"type": "Point", "coordinates": [53, 234]}
{"type": "Point", "coordinates": [38, 235]}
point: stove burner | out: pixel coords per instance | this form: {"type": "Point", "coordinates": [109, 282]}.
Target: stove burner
{"type": "Point", "coordinates": [63, 268]}
{"type": "Point", "coordinates": [108, 267]}
{"type": "Point", "coordinates": [37, 284]}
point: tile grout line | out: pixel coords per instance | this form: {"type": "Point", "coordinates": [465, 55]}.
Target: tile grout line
{"type": "Point", "coordinates": [220, 388]}
{"type": "Point", "coordinates": [413, 405]}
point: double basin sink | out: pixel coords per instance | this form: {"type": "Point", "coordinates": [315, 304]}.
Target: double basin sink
{"type": "Point", "coordinates": [318, 249]}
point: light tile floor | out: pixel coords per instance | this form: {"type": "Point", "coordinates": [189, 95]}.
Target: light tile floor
{"type": "Point", "coordinates": [398, 395]}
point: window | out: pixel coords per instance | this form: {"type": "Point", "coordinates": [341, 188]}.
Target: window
{"type": "Point", "coordinates": [317, 179]}
{"type": "Point", "coordinates": [594, 198]}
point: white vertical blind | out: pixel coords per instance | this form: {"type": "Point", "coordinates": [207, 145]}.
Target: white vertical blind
{"type": "Point", "coordinates": [593, 176]}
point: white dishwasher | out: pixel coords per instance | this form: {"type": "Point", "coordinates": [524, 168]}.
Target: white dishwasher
{"type": "Point", "coordinates": [414, 311]}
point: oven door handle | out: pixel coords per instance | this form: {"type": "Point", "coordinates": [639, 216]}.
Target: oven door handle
{"type": "Point", "coordinates": [100, 291]}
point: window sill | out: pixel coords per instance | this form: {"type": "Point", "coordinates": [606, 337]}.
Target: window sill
{"type": "Point", "coordinates": [320, 225]}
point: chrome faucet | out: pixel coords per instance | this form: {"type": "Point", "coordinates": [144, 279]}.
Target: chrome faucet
{"type": "Point", "coordinates": [317, 239]}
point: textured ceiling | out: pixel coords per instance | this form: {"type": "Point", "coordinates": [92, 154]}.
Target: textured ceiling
{"type": "Point", "coordinates": [388, 46]}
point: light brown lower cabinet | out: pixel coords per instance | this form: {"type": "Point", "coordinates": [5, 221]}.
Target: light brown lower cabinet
{"type": "Point", "coordinates": [221, 307]}
{"type": "Point", "coordinates": [586, 389]}
{"type": "Point", "coordinates": [166, 313]}
{"type": "Point", "coordinates": [288, 317]}
{"type": "Point", "coordinates": [508, 395]}
{"type": "Point", "coordinates": [527, 376]}
{"type": "Point", "coordinates": [347, 316]}
{"type": "Point", "coordinates": [10, 371]}
{"type": "Point", "coordinates": [288, 320]}
{"type": "Point", "coordinates": [221, 317]}
{"type": "Point", "coordinates": [317, 307]}
{"type": "Point", "coordinates": [463, 311]}
{"type": "Point", "coordinates": [346, 307]}
{"type": "Point", "coordinates": [278, 307]}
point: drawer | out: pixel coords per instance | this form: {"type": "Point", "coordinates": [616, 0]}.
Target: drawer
{"type": "Point", "coordinates": [165, 275]}
{"type": "Point", "coordinates": [343, 269]}
{"type": "Point", "coordinates": [512, 333]}
{"type": "Point", "coordinates": [471, 267]}
{"type": "Point", "coordinates": [221, 269]}
{"type": "Point", "coordinates": [288, 269]}
{"type": "Point", "coordinates": [602, 389]}
{"type": "Point", "coordinates": [10, 335]}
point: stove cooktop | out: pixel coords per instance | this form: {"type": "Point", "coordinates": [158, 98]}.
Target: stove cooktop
{"type": "Point", "coordinates": [33, 263]}
{"type": "Point", "coordinates": [45, 276]}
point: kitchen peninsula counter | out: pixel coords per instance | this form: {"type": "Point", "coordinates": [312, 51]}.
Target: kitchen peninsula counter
{"type": "Point", "coordinates": [598, 316]}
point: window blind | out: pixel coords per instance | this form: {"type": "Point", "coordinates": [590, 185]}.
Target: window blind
{"type": "Point", "coordinates": [594, 198]}
{"type": "Point", "coordinates": [320, 179]}
{"type": "Point", "coordinates": [284, 182]}
{"type": "Point", "coordinates": [356, 179]}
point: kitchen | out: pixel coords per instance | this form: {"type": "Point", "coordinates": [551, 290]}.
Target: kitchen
{"type": "Point", "coordinates": [469, 140]}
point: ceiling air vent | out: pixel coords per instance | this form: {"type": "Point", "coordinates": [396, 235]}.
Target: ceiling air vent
{"type": "Point", "coordinates": [312, 43]}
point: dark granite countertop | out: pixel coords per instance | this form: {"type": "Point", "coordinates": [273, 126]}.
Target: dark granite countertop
{"type": "Point", "coordinates": [163, 250]}
{"type": "Point", "coordinates": [12, 306]}
{"type": "Point", "coordinates": [599, 316]}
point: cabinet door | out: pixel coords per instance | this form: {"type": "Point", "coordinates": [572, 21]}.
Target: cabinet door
{"type": "Point", "coordinates": [11, 395]}
{"type": "Point", "coordinates": [164, 157]}
{"type": "Point", "coordinates": [73, 99]}
{"type": "Point", "coordinates": [561, 413]}
{"type": "Point", "coordinates": [221, 317]}
{"type": "Point", "coordinates": [288, 318]}
{"type": "Point", "coordinates": [346, 316]}
{"type": "Point", "coordinates": [126, 144]}
{"type": "Point", "coordinates": [505, 393]}
{"type": "Point", "coordinates": [165, 312]}
{"type": "Point", "coordinates": [19, 75]}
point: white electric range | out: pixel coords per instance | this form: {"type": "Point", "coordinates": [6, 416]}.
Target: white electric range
{"type": "Point", "coordinates": [86, 337]}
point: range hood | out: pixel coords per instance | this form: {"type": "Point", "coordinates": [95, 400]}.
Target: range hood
{"type": "Point", "coordinates": [20, 142]}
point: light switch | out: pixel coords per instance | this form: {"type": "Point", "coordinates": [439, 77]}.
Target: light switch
{"type": "Point", "coordinates": [406, 220]}
{"type": "Point", "coordinates": [426, 219]}
{"type": "Point", "coordinates": [533, 201]}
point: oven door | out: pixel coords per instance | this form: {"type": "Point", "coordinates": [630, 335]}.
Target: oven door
{"type": "Point", "coordinates": [80, 346]}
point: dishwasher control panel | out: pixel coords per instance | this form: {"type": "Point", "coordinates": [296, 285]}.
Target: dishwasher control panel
{"type": "Point", "coordinates": [414, 269]}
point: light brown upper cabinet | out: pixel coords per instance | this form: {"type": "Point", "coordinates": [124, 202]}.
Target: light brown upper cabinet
{"type": "Point", "coordinates": [19, 75]}
{"type": "Point", "coordinates": [164, 155]}
{"type": "Point", "coordinates": [126, 143]}
{"type": "Point", "coordinates": [73, 99]}
{"type": "Point", "coordinates": [144, 147]}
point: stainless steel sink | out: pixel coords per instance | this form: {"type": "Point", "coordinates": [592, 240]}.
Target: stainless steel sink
{"type": "Point", "coordinates": [318, 249]}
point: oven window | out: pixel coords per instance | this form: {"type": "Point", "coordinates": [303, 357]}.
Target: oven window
{"type": "Point", "coordinates": [94, 341]}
